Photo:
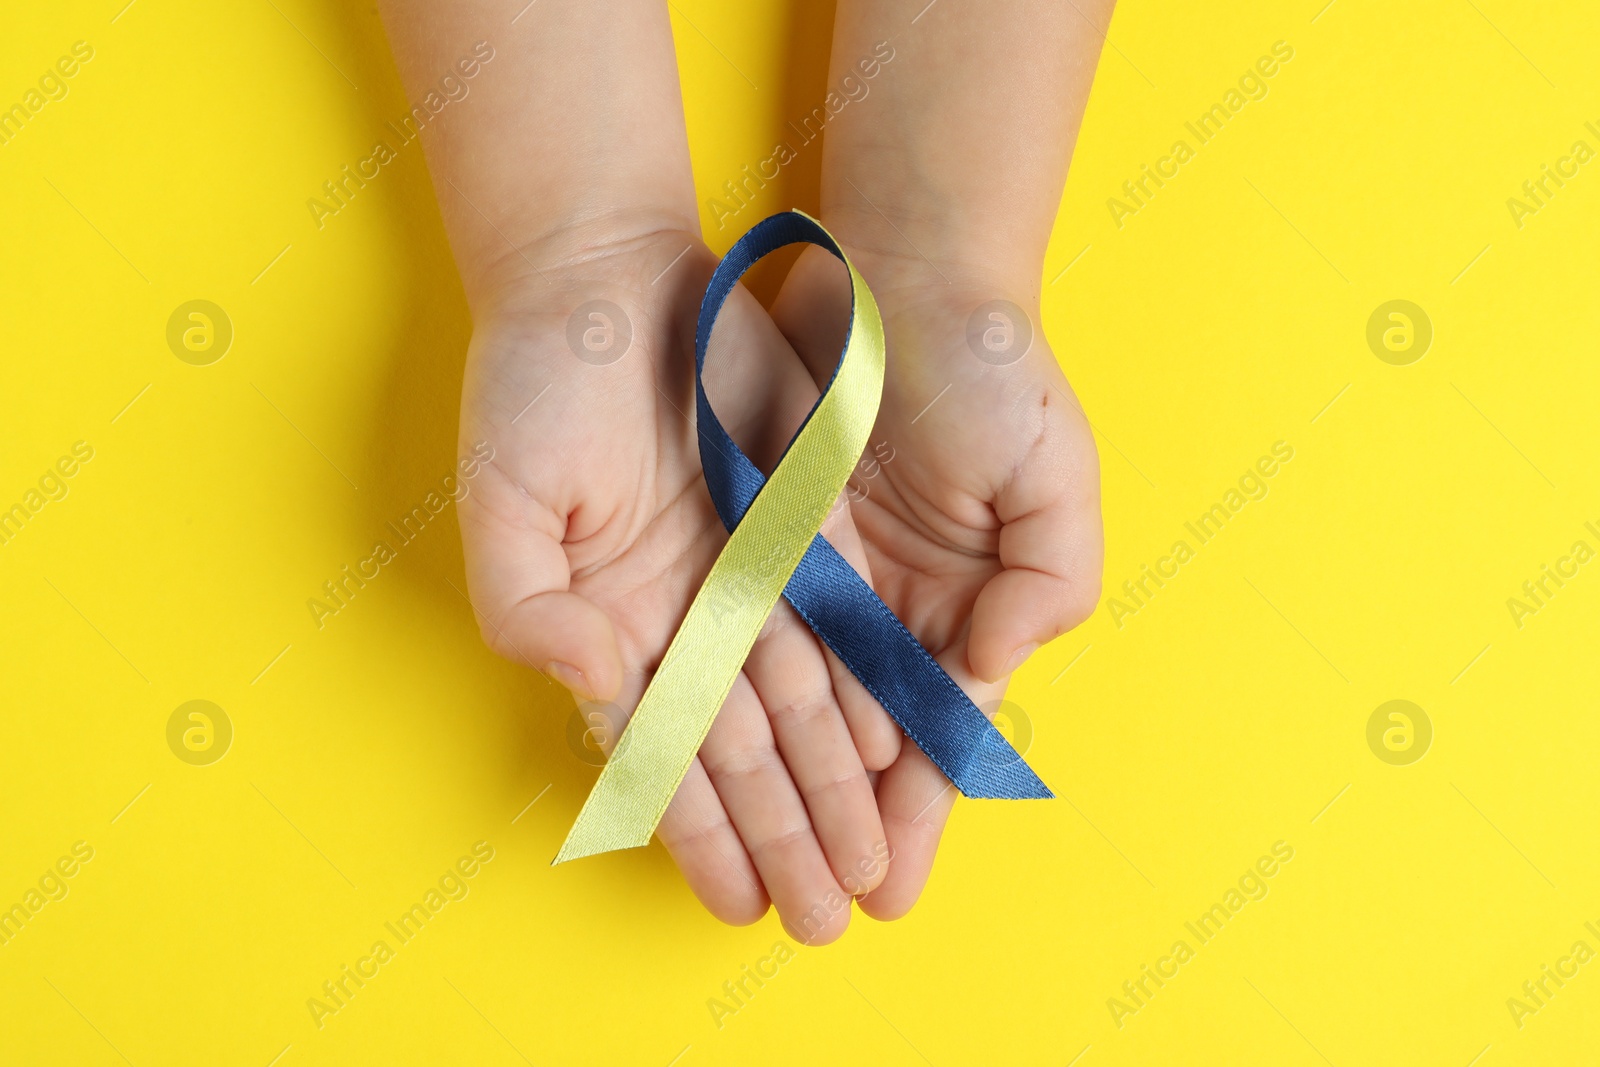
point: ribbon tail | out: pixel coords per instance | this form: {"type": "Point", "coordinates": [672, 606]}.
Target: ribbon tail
{"type": "Point", "coordinates": [997, 771]}
{"type": "Point", "coordinates": [591, 838]}
{"type": "Point", "coordinates": [690, 684]}
{"type": "Point", "coordinates": [891, 663]}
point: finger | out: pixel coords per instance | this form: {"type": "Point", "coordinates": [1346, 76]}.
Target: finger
{"type": "Point", "coordinates": [763, 804]}
{"type": "Point", "coordinates": [1051, 546]}
{"type": "Point", "coordinates": [790, 677]}
{"type": "Point", "coordinates": [697, 833]}
{"type": "Point", "coordinates": [877, 738]}
{"type": "Point", "coordinates": [706, 847]}
{"type": "Point", "coordinates": [915, 800]}
{"type": "Point", "coordinates": [518, 577]}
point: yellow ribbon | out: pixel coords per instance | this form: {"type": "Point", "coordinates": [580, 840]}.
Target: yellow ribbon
{"type": "Point", "coordinates": [705, 656]}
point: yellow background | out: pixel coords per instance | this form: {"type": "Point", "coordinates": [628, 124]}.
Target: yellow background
{"type": "Point", "coordinates": [1223, 717]}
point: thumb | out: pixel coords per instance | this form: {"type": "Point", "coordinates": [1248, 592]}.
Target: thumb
{"type": "Point", "coordinates": [518, 577]}
{"type": "Point", "coordinates": [1051, 557]}
{"type": "Point", "coordinates": [1052, 546]}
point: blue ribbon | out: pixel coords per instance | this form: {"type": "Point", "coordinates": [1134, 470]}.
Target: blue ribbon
{"type": "Point", "coordinates": [833, 599]}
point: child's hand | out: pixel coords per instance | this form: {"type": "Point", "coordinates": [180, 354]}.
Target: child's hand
{"type": "Point", "coordinates": [592, 529]}
{"type": "Point", "coordinates": [983, 530]}
{"type": "Point", "coordinates": [982, 519]}
{"type": "Point", "coordinates": [564, 178]}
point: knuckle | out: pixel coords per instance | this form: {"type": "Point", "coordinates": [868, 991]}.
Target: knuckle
{"type": "Point", "coordinates": [783, 840]}
{"type": "Point", "coordinates": [804, 710]}
{"type": "Point", "coordinates": [744, 763]}
{"type": "Point", "coordinates": [846, 781]}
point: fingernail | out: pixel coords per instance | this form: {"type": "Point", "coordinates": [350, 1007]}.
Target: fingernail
{"type": "Point", "coordinates": [571, 677]}
{"type": "Point", "coordinates": [1018, 657]}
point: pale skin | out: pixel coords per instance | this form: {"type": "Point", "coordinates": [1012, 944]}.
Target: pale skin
{"type": "Point", "coordinates": [564, 177]}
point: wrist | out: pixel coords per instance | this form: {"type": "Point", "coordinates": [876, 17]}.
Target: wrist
{"type": "Point", "coordinates": [912, 283]}
{"type": "Point", "coordinates": [560, 255]}
{"type": "Point", "coordinates": [929, 319]}
{"type": "Point", "coordinates": [913, 256]}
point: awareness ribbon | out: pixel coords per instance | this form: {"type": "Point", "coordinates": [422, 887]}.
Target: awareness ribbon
{"type": "Point", "coordinates": [774, 549]}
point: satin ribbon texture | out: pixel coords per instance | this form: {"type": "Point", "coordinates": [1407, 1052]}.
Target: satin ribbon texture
{"type": "Point", "coordinates": [774, 549]}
